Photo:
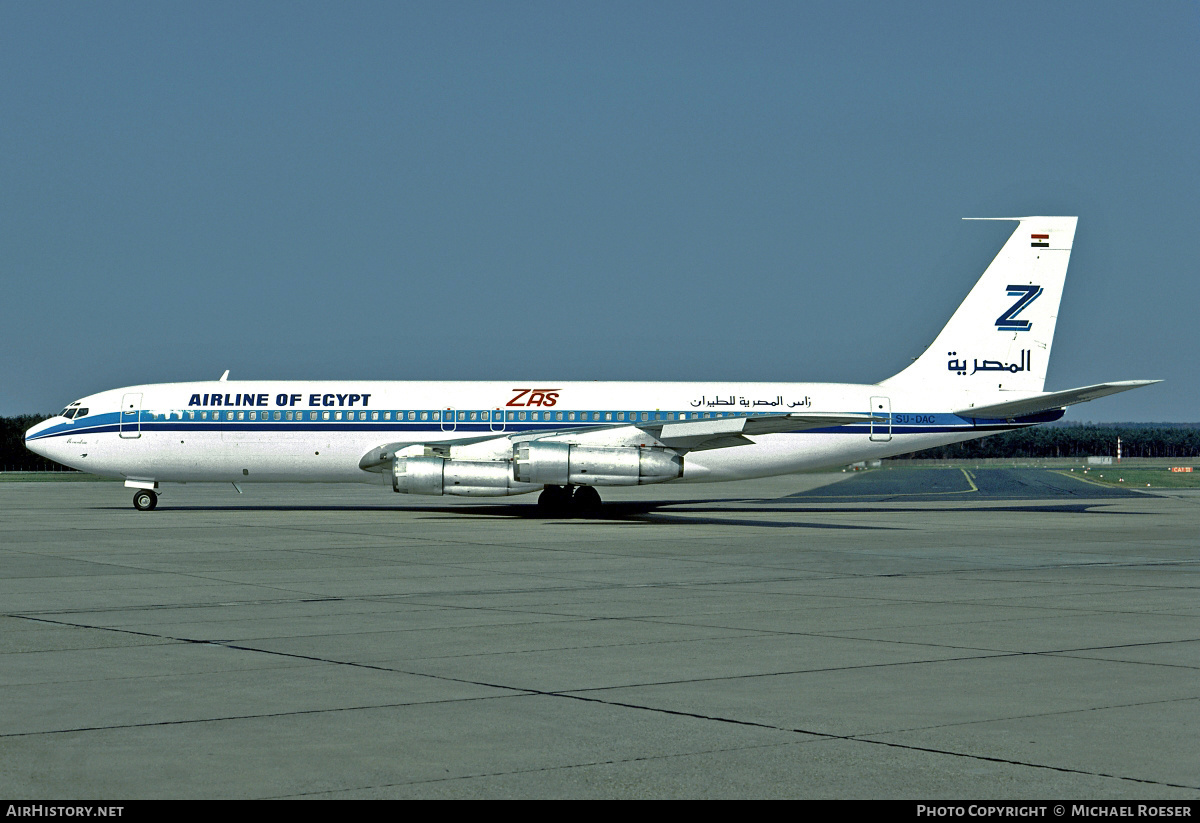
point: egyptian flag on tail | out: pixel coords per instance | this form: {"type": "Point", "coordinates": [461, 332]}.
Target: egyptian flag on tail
{"type": "Point", "coordinates": [1039, 241]}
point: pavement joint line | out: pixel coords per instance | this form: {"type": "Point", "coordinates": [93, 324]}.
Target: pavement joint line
{"type": "Point", "coordinates": [838, 636]}
{"type": "Point", "coordinates": [238, 644]}
{"type": "Point", "coordinates": [903, 746]}
{"type": "Point", "coordinates": [242, 646]}
{"type": "Point", "coordinates": [420, 598]}
{"type": "Point", "coordinates": [260, 716]}
{"type": "Point", "coordinates": [1060, 713]}
{"type": "Point", "coordinates": [564, 694]}
{"type": "Point", "coordinates": [1075, 653]}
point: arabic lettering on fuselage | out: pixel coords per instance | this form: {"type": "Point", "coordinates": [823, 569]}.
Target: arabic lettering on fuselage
{"type": "Point", "coordinates": [960, 367]}
{"type": "Point", "coordinates": [735, 400]}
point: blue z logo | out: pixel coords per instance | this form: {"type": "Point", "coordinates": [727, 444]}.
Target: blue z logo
{"type": "Point", "coordinates": [1008, 321]}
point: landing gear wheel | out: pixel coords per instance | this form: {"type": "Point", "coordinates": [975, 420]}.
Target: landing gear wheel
{"type": "Point", "coordinates": [586, 500]}
{"type": "Point", "coordinates": [144, 500]}
{"type": "Point", "coordinates": [554, 500]}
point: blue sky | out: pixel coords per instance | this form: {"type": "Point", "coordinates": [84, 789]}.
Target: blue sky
{"type": "Point", "coordinates": [576, 190]}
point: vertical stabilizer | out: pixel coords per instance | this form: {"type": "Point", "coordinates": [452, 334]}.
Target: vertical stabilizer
{"type": "Point", "coordinates": [998, 340]}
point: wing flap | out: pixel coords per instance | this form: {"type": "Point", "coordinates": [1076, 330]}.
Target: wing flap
{"type": "Point", "coordinates": [722, 432]}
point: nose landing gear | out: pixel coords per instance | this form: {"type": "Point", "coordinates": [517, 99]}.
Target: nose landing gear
{"type": "Point", "coordinates": [144, 500]}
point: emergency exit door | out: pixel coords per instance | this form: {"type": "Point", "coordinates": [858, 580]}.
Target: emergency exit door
{"type": "Point", "coordinates": [881, 430]}
{"type": "Point", "coordinates": [130, 424]}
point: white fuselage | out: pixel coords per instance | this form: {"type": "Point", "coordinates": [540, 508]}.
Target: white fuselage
{"type": "Point", "coordinates": [314, 431]}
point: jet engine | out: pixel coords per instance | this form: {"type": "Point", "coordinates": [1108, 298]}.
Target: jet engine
{"type": "Point", "coordinates": [564, 464]}
{"type": "Point", "coordinates": [469, 478]}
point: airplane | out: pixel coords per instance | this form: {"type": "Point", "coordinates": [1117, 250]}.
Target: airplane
{"type": "Point", "coordinates": [984, 373]}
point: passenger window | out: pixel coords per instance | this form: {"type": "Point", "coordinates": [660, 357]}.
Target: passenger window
{"type": "Point", "coordinates": [425, 416]}
{"type": "Point", "coordinates": [645, 416]}
{"type": "Point", "coordinates": [570, 415]}
{"type": "Point", "coordinates": [290, 416]}
{"type": "Point", "coordinates": [374, 415]}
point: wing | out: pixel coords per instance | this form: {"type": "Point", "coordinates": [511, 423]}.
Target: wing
{"type": "Point", "coordinates": [682, 435]}
{"type": "Point", "coordinates": [723, 432]}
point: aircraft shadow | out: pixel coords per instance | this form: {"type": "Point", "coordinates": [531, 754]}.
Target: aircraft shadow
{"type": "Point", "coordinates": [704, 512]}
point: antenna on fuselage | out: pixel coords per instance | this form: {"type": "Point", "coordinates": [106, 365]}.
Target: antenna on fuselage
{"type": "Point", "coordinates": [225, 376]}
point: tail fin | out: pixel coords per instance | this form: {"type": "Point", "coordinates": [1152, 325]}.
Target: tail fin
{"type": "Point", "coordinates": [999, 337]}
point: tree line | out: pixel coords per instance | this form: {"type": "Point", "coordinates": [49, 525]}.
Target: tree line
{"type": "Point", "coordinates": [1077, 440]}
{"type": "Point", "coordinates": [14, 457]}
{"type": "Point", "coordinates": [1066, 440]}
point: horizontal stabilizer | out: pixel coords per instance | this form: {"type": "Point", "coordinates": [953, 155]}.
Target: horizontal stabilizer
{"type": "Point", "coordinates": [1050, 400]}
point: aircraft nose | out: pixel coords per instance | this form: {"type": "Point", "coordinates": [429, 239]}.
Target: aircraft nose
{"type": "Point", "coordinates": [39, 445]}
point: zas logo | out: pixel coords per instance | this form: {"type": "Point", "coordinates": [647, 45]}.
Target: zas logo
{"type": "Point", "coordinates": [533, 397]}
{"type": "Point", "coordinates": [1008, 321]}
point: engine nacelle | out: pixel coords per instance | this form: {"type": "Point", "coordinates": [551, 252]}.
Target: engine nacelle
{"type": "Point", "coordinates": [470, 478]}
{"type": "Point", "coordinates": [564, 464]}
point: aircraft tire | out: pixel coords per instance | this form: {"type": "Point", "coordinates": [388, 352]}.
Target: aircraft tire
{"type": "Point", "coordinates": [554, 500]}
{"type": "Point", "coordinates": [144, 500]}
{"type": "Point", "coordinates": [586, 500]}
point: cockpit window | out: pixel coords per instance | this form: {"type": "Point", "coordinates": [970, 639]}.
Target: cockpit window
{"type": "Point", "coordinates": [72, 411]}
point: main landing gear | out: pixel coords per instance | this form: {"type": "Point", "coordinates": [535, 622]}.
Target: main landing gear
{"type": "Point", "coordinates": [144, 500]}
{"type": "Point", "coordinates": [579, 501]}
